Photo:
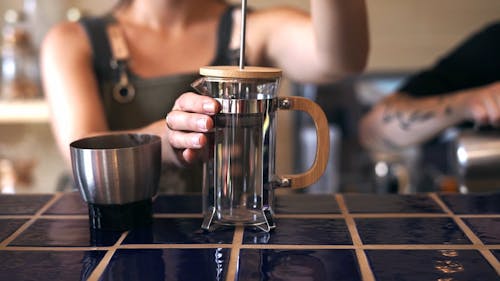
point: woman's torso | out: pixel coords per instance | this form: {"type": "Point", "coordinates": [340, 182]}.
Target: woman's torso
{"type": "Point", "coordinates": [153, 97]}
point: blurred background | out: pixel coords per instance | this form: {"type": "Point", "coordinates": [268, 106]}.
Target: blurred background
{"type": "Point", "coordinates": [406, 35]}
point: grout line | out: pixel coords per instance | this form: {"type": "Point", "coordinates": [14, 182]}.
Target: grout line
{"type": "Point", "coordinates": [53, 248]}
{"type": "Point", "coordinates": [425, 247]}
{"type": "Point", "coordinates": [364, 265]}
{"type": "Point", "coordinates": [480, 216]}
{"type": "Point", "coordinates": [2, 217]}
{"type": "Point", "coordinates": [49, 204]}
{"type": "Point", "coordinates": [23, 227]}
{"type": "Point", "coordinates": [461, 224]}
{"type": "Point", "coordinates": [397, 215]}
{"type": "Point", "coordinates": [99, 270]}
{"type": "Point", "coordinates": [297, 247]}
{"type": "Point", "coordinates": [177, 215]}
{"type": "Point", "coordinates": [175, 246]}
{"type": "Point", "coordinates": [469, 233]}
{"type": "Point", "coordinates": [63, 217]}
{"type": "Point", "coordinates": [232, 270]}
{"type": "Point", "coordinates": [351, 225]}
{"type": "Point", "coordinates": [375, 247]}
{"type": "Point", "coordinates": [308, 216]}
{"type": "Point", "coordinates": [488, 255]}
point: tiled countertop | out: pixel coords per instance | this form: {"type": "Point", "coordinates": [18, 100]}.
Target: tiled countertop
{"type": "Point", "coordinates": [318, 237]}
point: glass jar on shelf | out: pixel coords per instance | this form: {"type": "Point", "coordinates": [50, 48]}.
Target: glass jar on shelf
{"type": "Point", "coordinates": [19, 60]}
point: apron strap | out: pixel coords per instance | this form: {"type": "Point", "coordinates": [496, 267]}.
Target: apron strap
{"type": "Point", "coordinates": [119, 48]}
{"type": "Point", "coordinates": [124, 91]}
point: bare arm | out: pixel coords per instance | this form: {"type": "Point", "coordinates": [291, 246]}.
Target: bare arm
{"type": "Point", "coordinates": [71, 90]}
{"type": "Point", "coordinates": [327, 45]}
{"type": "Point", "coordinates": [400, 120]}
{"type": "Point", "coordinates": [323, 47]}
{"type": "Point", "coordinates": [70, 86]}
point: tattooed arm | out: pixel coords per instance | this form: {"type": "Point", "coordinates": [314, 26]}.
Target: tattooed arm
{"type": "Point", "coordinates": [401, 120]}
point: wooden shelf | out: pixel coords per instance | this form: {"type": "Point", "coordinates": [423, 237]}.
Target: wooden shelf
{"type": "Point", "coordinates": [24, 111]}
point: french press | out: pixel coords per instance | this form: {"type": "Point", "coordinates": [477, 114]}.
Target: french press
{"type": "Point", "coordinates": [239, 176]}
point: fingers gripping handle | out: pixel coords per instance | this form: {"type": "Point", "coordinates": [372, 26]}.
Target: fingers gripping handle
{"type": "Point", "coordinates": [322, 144]}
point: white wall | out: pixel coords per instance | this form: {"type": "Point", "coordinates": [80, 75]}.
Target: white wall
{"type": "Point", "coordinates": [408, 34]}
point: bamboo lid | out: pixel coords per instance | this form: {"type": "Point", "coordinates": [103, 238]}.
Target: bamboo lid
{"type": "Point", "coordinates": [236, 72]}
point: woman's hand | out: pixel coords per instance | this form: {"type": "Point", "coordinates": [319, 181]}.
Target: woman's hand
{"type": "Point", "coordinates": [187, 125]}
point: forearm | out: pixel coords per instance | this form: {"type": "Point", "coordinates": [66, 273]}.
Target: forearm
{"type": "Point", "coordinates": [160, 129]}
{"type": "Point", "coordinates": [323, 46]}
{"type": "Point", "coordinates": [341, 33]}
{"type": "Point", "coordinates": [400, 121]}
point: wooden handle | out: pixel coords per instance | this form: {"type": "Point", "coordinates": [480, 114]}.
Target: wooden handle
{"type": "Point", "coordinates": [322, 144]}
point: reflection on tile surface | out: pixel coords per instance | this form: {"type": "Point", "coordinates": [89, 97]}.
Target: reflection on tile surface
{"type": "Point", "coordinates": [306, 204]}
{"type": "Point", "coordinates": [9, 226]}
{"type": "Point", "coordinates": [48, 266]}
{"type": "Point", "coordinates": [430, 265]}
{"type": "Point", "coordinates": [302, 231]}
{"type": "Point", "coordinates": [67, 232]}
{"type": "Point", "coordinates": [487, 229]}
{"type": "Point", "coordinates": [168, 264]}
{"type": "Point", "coordinates": [178, 204]}
{"type": "Point", "coordinates": [290, 265]}
{"type": "Point", "coordinates": [473, 203]}
{"type": "Point", "coordinates": [22, 204]}
{"type": "Point", "coordinates": [368, 203]}
{"type": "Point", "coordinates": [70, 203]}
{"type": "Point", "coordinates": [410, 231]}
{"type": "Point", "coordinates": [178, 231]}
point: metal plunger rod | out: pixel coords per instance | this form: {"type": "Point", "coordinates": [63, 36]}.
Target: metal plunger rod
{"type": "Point", "coordinates": [243, 35]}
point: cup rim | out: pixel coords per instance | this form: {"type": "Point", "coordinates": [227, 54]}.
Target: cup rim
{"type": "Point", "coordinates": [110, 141]}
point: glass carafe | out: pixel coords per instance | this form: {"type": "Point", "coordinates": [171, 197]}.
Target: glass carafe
{"type": "Point", "coordinates": [239, 176]}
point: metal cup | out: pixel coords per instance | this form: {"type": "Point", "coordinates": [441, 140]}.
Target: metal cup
{"type": "Point", "coordinates": [117, 175]}
{"type": "Point", "coordinates": [477, 160]}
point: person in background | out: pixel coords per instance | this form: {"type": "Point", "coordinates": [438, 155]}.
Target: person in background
{"type": "Point", "coordinates": [125, 70]}
{"type": "Point", "coordinates": [463, 88]}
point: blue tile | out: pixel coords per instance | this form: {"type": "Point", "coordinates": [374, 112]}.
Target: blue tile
{"type": "Point", "coordinates": [178, 231]}
{"type": "Point", "coordinates": [417, 265]}
{"type": "Point", "coordinates": [496, 253]}
{"type": "Point", "coordinates": [178, 204]}
{"type": "Point", "coordinates": [487, 229]}
{"type": "Point", "coordinates": [64, 232]}
{"type": "Point", "coordinates": [306, 204]}
{"type": "Point", "coordinates": [302, 232]}
{"type": "Point", "coordinates": [410, 231]}
{"type": "Point", "coordinates": [483, 203]}
{"type": "Point", "coordinates": [167, 264]}
{"type": "Point", "coordinates": [70, 203]}
{"type": "Point", "coordinates": [290, 265]}
{"type": "Point", "coordinates": [9, 226]}
{"type": "Point", "coordinates": [368, 203]}
{"type": "Point", "coordinates": [48, 266]}
{"type": "Point", "coordinates": [22, 204]}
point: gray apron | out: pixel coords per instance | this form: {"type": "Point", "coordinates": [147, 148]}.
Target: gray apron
{"type": "Point", "coordinates": [154, 97]}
